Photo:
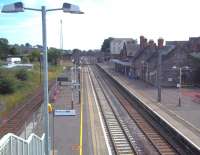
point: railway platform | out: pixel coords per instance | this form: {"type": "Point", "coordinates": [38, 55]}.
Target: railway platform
{"type": "Point", "coordinates": [82, 133]}
{"type": "Point", "coordinates": [184, 119]}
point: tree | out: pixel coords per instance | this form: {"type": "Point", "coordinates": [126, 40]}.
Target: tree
{"type": "Point", "coordinates": [13, 51]}
{"type": "Point", "coordinates": [54, 55]}
{"type": "Point", "coordinates": [7, 85]}
{"type": "Point", "coordinates": [28, 45]}
{"type": "Point", "coordinates": [22, 75]}
{"type": "Point", "coordinates": [106, 45]}
{"type": "Point", "coordinates": [4, 48]}
{"type": "Point", "coordinates": [76, 54]}
{"type": "Point", "coordinates": [35, 55]}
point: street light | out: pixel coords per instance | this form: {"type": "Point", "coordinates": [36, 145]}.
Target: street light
{"type": "Point", "coordinates": [19, 7]}
{"type": "Point", "coordinates": [180, 81]}
{"type": "Point", "coordinates": [13, 8]}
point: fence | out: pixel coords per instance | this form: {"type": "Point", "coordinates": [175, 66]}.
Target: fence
{"type": "Point", "coordinates": [11, 144]}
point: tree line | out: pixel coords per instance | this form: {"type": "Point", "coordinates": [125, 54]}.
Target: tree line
{"type": "Point", "coordinates": [28, 53]}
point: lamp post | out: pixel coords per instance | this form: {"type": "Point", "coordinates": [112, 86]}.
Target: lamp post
{"type": "Point", "coordinates": [159, 67]}
{"type": "Point", "coordinates": [72, 86]}
{"type": "Point", "coordinates": [180, 81]}
{"type": "Point", "coordinates": [19, 7]}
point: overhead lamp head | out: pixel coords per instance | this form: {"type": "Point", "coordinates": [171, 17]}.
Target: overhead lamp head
{"type": "Point", "coordinates": [71, 8]}
{"type": "Point", "coordinates": [13, 8]}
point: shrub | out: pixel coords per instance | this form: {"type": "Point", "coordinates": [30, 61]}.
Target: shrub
{"type": "Point", "coordinates": [25, 60]}
{"type": "Point", "coordinates": [22, 75]}
{"type": "Point", "coordinates": [7, 85]}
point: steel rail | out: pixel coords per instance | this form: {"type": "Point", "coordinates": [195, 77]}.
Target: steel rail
{"type": "Point", "coordinates": [15, 122]}
{"type": "Point", "coordinates": [161, 145]}
{"type": "Point", "coordinates": [121, 141]}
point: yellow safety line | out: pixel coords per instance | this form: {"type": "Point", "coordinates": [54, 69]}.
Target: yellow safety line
{"type": "Point", "coordinates": [91, 112]}
{"type": "Point", "coordinates": [81, 119]}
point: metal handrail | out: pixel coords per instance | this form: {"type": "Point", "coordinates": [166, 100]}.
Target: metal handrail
{"type": "Point", "coordinates": [11, 144]}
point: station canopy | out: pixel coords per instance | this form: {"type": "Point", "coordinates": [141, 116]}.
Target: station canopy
{"type": "Point", "coordinates": [124, 63]}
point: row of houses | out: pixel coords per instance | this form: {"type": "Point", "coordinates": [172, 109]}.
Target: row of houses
{"type": "Point", "coordinates": [140, 60]}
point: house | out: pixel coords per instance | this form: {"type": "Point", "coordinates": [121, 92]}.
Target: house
{"type": "Point", "coordinates": [139, 64]}
{"type": "Point", "coordinates": [140, 61]}
{"type": "Point", "coordinates": [117, 44]}
{"type": "Point", "coordinates": [166, 66]}
{"type": "Point", "coordinates": [174, 53]}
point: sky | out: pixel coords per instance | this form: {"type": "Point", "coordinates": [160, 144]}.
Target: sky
{"type": "Point", "coordinates": [169, 19]}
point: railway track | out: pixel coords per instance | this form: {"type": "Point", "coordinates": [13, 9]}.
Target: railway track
{"type": "Point", "coordinates": [160, 144]}
{"type": "Point", "coordinates": [18, 117]}
{"type": "Point", "coordinates": [120, 137]}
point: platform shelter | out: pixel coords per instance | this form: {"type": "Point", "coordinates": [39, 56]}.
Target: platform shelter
{"type": "Point", "coordinates": [123, 67]}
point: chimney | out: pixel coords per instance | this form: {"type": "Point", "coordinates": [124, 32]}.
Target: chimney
{"type": "Point", "coordinates": [151, 43]}
{"type": "Point", "coordinates": [141, 41]}
{"type": "Point", "coordinates": [145, 42]}
{"type": "Point", "coordinates": [160, 42]}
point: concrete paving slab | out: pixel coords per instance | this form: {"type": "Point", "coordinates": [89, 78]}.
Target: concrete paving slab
{"type": "Point", "coordinates": [189, 130]}
{"type": "Point", "coordinates": [66, 131]}
{"type": "Point", "coordinates": [189, 109]}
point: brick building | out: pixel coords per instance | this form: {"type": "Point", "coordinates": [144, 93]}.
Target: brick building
{"type": "Point", "coordinates": [174, 53]}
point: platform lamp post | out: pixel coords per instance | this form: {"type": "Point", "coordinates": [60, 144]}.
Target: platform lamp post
{"type": "Point", "coordinates": [159, 68]}
{"type": "Point", "coordinates": [68, 8]}
{"type": "Point", "coordinates": [180, 81]}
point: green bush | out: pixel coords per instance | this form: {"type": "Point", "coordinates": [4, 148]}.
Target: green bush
{"type": "Point", "coordinates": [2, 62]}
{"type": "Point", "coordinates": [7, 85]}
{"type": "Point", "coordinates": [22, 75]}
{"type": "Point", "coordinates": [25, 60]}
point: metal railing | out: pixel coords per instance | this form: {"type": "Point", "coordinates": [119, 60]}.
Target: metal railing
{"type": "Point", "coordinates": [11, 144]}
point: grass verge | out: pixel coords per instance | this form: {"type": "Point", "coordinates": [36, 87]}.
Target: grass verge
{"type": "Point", "coordinates": [26, 88]}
